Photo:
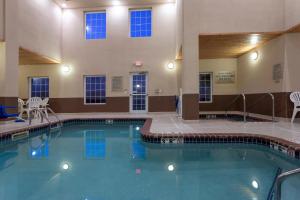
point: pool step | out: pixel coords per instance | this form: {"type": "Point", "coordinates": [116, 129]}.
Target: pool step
{"type": "Point", "coordinates": [20, 136]}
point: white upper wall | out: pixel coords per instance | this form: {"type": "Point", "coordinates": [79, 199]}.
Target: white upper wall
{"type": "Point", "coordinates": [40, 27]}
{"type": "Point", "coordinates": [115, 55]}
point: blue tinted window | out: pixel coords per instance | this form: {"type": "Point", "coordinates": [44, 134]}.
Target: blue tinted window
{"type": "Point", "coordinates": [95, 89]}
{"type": "Point", "coordinates": [40, 87]}
{"type": "Point", "coordinates": [140, 23]}
{"type": "Point", "coordinates": [95, 25]}
{"type": "Point", "coordinates": [95, 145]}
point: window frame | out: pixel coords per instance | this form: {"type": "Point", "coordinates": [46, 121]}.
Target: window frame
{"type": "Point", "coordinates": [91, 12]}
{"type": "Point", "coordinates": [211, 86]}
{"type": "Point", "coordinates": [84, 90]}
{"type": "Point", "coordinates": [129, 22]}
{"type": "Point", "coordinates": [30, 85]}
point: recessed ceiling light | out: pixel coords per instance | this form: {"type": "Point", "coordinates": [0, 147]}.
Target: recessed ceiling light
{"type": "Point", "coordinates": [64, 5]}
{"type": "Point", "coordinates": [254, 39]}
{"type": "Point", "coordinates": [116, 3]}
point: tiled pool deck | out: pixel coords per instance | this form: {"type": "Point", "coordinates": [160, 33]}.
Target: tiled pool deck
{"type": "Point", "coordinates": [170, 124]}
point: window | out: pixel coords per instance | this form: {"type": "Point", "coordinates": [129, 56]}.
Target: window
{"type": "Point", "coordinates": [39, 87]}
{"type": "Point", "coordinates": [95, 90]}
{"type": "Point", "coordinates": [141, 23]}
{"type": "Point", "coordinates": [205, 87]}
{"type": "Point", "coordinates": [95, 25]}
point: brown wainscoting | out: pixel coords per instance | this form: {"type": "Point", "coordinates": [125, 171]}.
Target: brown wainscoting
{"type": "Point", "coordinates": [162, 103]}
{"type": "Point", "coordinates": [258, 103]}
{"type": "Point", "coordinates": [190, 106]}
{"type": "Point", "coordinates": [10, 101]}
{"type": "Point", "coordinates": [76, 105]}
{"type": "Point", "coordinates": [262, 104]}
{"type": "Point", "coordinates": [220, 103]}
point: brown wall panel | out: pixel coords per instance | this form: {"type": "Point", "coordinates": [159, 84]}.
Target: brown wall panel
{"type": "Point", "coordinates": [220, 103]}
{"type": "Point", "coordinates": [162, 104]}
{"type": "Point", "coordinates": [260, 103]}
{"type": "Point", "coordinates": [76, 105]}
{"type": "Point", "coordinates": [113, 104]}
{"type": "Point", "coordinates": [10, 101]}
{"type": "Point", "coordinates": [190, 106]}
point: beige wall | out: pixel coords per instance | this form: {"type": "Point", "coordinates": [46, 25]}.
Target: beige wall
{"type": "Point", "coordinates": [40, 27]}
{"type": "Point", "coordinates": [256, 76]}
{"type": "Point", "coordinates": [2, 20]}
{"type": "Point", "coordinates": [219, 65]}
{"type": "Point", "coordinates": [114, 56]}
{"type": "Point", "coordinates": [292, 13]}
{"type": "Point", "coordinates": [292, 73]}
{"type": "Point", "coordinates": [9, 50]}
{"type": "Point", "coordinates": [215, 16]}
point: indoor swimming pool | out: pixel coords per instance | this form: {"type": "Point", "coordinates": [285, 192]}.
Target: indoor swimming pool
{"type": "Point", "coordinates": [108, 161]}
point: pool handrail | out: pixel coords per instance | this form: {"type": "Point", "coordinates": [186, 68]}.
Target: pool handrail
{"type": "Point", "coordinates": [282, 177]}
{"type": "Point", "coordinates": [272, 189]}
{"type": "Point", "coordinates": [273, 104]}
{"type": "Point", "coordinates": [244, 105]}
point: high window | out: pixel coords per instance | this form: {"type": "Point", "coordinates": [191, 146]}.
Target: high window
{"type": "Point", "coordinates": [141, 23]}
{"type": "Point", "coordinates": [95, 90]}
{"type": "Point", "coordinates": [95, 25]}
{"type": "Point", "coordinates": [205, 87]}
{"type": "Point", "coordinates": [39, 87]}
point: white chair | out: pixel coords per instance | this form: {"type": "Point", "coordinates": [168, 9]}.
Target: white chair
{"type": "Point", "coordinates": [21, 107]}
{"type": "Point", "coordinates": [295, 98]}
{"type": "Point", "coordinates": [33, 103]}
{"type": "Point", "coordinates": [43, 106]}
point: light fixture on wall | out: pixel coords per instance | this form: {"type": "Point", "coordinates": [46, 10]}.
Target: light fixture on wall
{"type": "Point", "coordinates": [171, 65]}
{"type": "Point", "coordinates": [254, 55]}
{"type": "Point", "coordinates": [66, 69]}
{"type": "Point", "coordinates": [138, 63]}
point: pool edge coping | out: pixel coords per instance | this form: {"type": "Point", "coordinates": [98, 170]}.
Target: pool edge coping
{"type": "Point", "coordinates": [283, 145]}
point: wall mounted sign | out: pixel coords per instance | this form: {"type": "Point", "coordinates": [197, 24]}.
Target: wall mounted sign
{"type": "Point", "coordinates": [277, 73]}
{"type": "Point", "coordinates": [117, 83]}
{"type": "Point", "coordinates": [225, 77]}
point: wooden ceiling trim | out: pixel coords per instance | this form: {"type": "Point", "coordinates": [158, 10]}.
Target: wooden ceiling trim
{"type": "Point", "coordinates": [232, 45]}
{"type": "Point", "coordinates": [27, 57]}
{"type": "Point", "coordinates": [294, 29]}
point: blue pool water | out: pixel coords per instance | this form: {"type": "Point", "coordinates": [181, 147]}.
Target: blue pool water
{"type": "Point", "coordinates": [110, 162]}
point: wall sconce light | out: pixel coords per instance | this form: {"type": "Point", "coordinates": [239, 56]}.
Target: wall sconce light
{"type": "Point", "coordinates": [66, 69]}
{"type": "Point", "coordinates": [171, 65]}
{"type": "Point", "coordinates": [138, 63]}
{"type": "Point", "coordinates": [254, 55]}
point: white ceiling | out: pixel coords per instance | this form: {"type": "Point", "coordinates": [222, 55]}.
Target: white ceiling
{"type": "Point", "coordinates": [100, 3]}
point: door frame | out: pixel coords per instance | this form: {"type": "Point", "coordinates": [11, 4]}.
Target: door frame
{"type": "Point", "coordinates": [131, 95]}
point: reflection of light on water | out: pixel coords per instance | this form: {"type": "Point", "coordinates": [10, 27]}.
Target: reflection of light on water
{"type": "Point", "coordinates": [171, 168]}
{"type": "Point", "coordinates": [33, 153]}
{"type": "Point", "coordinates": [138, 171]}
{"type": "Point", "coordinates": [65, 166]}
{"type": "Point", "coordinates": [255, 184]}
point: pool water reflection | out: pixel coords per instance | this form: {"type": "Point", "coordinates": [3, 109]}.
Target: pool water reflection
{"type": "Point", "coordinates": [109, 162]}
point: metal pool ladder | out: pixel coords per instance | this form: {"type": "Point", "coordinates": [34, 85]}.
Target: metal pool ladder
{"type": "Point", "coordinates": [282, 177]}
{"type": "Point", "coordinates": [44, 116]}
